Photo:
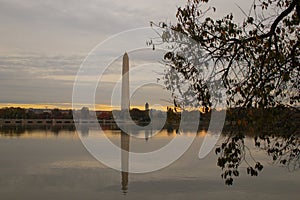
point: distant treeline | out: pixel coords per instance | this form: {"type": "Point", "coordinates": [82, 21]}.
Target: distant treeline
{"type": "Point", "coordinates": [250, 121]}
{"type": "Point", "coordinates": [22, 113]}
{"type": "Point", "coordinates": [84, 113]}
{"type": "Point", "coordinates": [240, 116]}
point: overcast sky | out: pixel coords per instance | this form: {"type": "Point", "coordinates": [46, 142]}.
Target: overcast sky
{"type": "Point", "coordinates": [43, 42]}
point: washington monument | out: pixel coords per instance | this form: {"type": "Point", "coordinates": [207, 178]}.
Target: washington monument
{"type": "Point", "coordinates": [125, 104]}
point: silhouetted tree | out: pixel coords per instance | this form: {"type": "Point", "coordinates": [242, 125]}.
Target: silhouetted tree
{"type": "Point", "coordinates": [257, 62]}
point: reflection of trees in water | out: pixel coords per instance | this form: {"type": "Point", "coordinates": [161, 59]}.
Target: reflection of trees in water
{"type": "Point", "coordinates": [84, 130]}
{"type": "Point", "coordinates": [17, 131]}
{"type": "Point", "coordinates": [276, 133]}
{"type": "Point", "coordinates": [12, 130]}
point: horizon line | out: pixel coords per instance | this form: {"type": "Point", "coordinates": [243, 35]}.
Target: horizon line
{"type": "Point", "coordinates": [68, 106]}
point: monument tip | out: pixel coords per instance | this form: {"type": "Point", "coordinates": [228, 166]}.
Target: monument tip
{"type": "Point", "coordinates": [125, 54]}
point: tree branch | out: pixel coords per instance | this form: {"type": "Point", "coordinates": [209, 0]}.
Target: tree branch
{"type": "Point", "coordinates": [282, 15]}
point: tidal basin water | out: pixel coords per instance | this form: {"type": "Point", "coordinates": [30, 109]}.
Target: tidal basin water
{"type": "Point", "coordinates": [48, 163]}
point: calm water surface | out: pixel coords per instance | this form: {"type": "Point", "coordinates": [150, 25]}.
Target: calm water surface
{"type": "Point", "coordinates": [53, 164]}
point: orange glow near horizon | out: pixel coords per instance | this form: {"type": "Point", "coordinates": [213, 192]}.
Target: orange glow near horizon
{"type": "Point", "coordinates": [66, 106]}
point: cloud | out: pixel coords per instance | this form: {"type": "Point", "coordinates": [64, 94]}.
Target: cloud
{"type": "Point", "coordinates": [31, 78]}
{"type": "Point", "coordinates": [72, 26]}
{"type": "Point", "coordinates": [40, 38]}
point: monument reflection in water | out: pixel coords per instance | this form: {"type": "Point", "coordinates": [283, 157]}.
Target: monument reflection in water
{"type": "Point", "coordinates": [125, 139]}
